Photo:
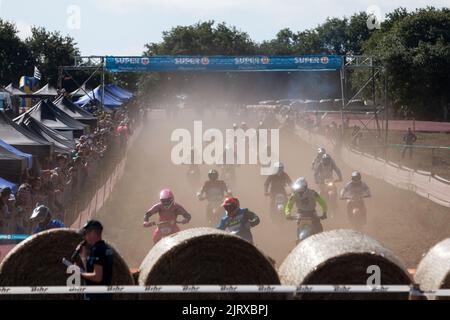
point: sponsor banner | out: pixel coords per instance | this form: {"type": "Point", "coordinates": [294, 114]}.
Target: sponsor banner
{"type": "Point", "coordinates": [223, 63]}
{"type": "Point", "coordinates": [219, 289]}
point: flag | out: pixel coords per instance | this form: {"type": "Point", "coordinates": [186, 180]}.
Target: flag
{"type": "Point", "coordinates": [37, 73]}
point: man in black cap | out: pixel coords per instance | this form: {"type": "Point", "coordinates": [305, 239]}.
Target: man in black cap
{"type": "Point", "coordinates": [97, 258]}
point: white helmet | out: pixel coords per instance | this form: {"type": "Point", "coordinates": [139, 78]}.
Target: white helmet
{"type": "Point", "coordinates": [278, 166]}
{"type": "Point", "coordinates": [300, 185]}
{"type": "Point", "coordinates": [40, 213]}
{"type": "Point", "coordinates": [321, 150]}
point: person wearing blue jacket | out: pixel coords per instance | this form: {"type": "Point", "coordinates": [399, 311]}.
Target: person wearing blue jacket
{"type": "Point", "coordinates": [42, 216]}
{"type": "Point", "coordinates": [237, 220]}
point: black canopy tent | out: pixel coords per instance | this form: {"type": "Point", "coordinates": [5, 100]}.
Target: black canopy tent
{"type": "Point", "coordinates": [61, 143]}
{"type": "Point", "coordinates": [45, 92]}
{"type": "Point", "coordinates": [14, 91]}
{"type": "Point", "coordinates": [23, 140]}
{"type": "Point", "coordinates": [49, 115]}
{"type": "Point", "coordinates": [76, 112]}
{"type": "Point", "coordinates": [11, 165]}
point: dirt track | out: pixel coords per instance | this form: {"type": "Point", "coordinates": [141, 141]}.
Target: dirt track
{"type": "Point", "coordinates": [405, 223]}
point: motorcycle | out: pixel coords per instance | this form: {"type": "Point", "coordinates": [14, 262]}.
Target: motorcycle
{"type": "Point", "coordinates": [305, 227]}
{"type": "Point", "coordinates": [214, 208]}
{"type": "Point", "coordinates": [165, 228]}
{"type": "Point", "coordinates": [280, 202]}
{"type": "Point", "coordinates": [357, 212]}
{"type": "Point", "coordinates": [329, 191]}
{"type": "Point", "coordinates": [229, 174]}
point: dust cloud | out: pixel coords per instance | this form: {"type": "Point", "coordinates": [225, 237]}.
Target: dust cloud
{"type": "Point", "coordinates": [404, 222]}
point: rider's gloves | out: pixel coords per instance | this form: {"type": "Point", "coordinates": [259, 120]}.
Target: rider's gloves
{"type": "Point", "coordinates": [146, 224]}
{"type": "Point", "coordinates": [324, 216]}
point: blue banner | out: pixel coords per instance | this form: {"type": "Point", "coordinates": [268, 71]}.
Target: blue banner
{"type": "Point", "coordinates": [223, 63]}
{"type": "Point", "coordinates": [14, 236]}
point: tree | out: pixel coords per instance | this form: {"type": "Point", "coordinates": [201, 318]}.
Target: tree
{"type": "Point", "coordinates": [203, 39]}
{"type": "Point", "coordinates": [50, 50]}
{"type": "Point", "coordinates": [15, 56]}
{"type": "Point", "coordinates": [415, 50]}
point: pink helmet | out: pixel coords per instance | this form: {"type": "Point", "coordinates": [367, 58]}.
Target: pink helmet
{"type": "Point", "coordinates": [166, 197]}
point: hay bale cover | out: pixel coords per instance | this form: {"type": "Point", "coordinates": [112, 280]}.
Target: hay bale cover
{"type": "Point", "coordinates": [341, 257]}
{"type": "Point", "coordinates": [206, 256]}
{"type": "Point", "coordinates": [433, 272]}
{"type": "Point", "coordinates": [37, 262]}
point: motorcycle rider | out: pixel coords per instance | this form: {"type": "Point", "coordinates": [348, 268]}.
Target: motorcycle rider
{"type": "Point", "coordinates": [212, 186]}
{"type": "Point", "coordinates": [355, 189]}
{"type": "Point", "coordinates": [243, 126]}
{"type": "Point", "coordinates": [168, 211]}
{"type": "Point", "coordinates": [320, 152]}
{"type": "Point", "coordinates": [277, 183]}
{"type": "Point", "coordinates": [214, 191]}
{"type": "Point", "coordinates": [306, 200]}
{"type": "Point", "coordinates": [238, 220]}
{"type": "Point", "coordinates": [324, 171]}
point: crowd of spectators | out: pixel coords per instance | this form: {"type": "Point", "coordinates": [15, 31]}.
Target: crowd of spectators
{"type": "Point", "coordinates": [63, 182]}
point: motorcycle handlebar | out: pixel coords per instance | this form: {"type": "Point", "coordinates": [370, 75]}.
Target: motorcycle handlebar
{"type": "Point", "coordinates": [157, 224]}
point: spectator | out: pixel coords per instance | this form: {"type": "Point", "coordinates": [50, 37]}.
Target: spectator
{"type": "Point", "coordinates": [356, 136]}
{"type": "Point", "coordinates": [123, 132]}
{"type": "Point", "coordinates": [36, 190]}
{"type": "Point", "coordinates": [97, 257]}
{"type": "Point", "coordinates": [42, 217]}
{"type": "Point", "coordinates": [24, 208]}
{"type": "Point", "coordinates": [7, 210]}
{"type": "Point", "coordinates": [409, 138]}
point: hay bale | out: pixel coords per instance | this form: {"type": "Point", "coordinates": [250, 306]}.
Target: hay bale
{"type": "Point", "coordinates": [37, 262]}
{"type": "Point", "coordinates": [206, 256]}
{"type": "Point", "coordinates": [433, 272]}
{"type": "Point", "coordinates": [341, 257]}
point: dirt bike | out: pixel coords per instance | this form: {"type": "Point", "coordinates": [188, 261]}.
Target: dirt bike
{"type": "Point", "coordinates": [357, 212]}
{"type": "Point", "coordinates": [193, 176]}
{"type": "Point", "coordinates": [165, 228]}
{"type": "Point", "coordinates": [329, 191]}
{"type": "Point", "coordinates": [277, 203]}
{"type": "Point", "coordinates": [305, 226]}
{"type": "Point", "coordinates": [229, 174]}
{"type": "Point", "coordinates": [280, 202]}
{"type": "Point", "coordinates": [214, 208]}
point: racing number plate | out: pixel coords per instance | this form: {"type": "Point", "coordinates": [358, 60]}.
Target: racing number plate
{"type": "Point", "coordinates": [165, 230]}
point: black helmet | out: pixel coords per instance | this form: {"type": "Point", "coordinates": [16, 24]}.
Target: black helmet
{"type": "Point", "coordinates": [91, 225]}
{"type": "Point", "coordinates": [356, 176]}
{"type": "Point", "coordinates": [213, 175]}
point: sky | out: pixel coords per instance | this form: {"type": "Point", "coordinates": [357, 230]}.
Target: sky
{"type": "Point", "coordinates": [122, 27]}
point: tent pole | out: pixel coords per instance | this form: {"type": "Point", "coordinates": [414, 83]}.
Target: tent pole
{"type": "Point", "coordinates": [103, 89]}
{"type": "Point", "coordinates": [343, 98]}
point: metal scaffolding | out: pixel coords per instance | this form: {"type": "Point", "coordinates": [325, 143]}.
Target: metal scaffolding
{"type": "Point", "coordinates": [92, 64]}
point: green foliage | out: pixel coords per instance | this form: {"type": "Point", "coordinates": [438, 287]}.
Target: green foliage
{"type": "Point", "coordinates": [50, 50]}
{"type": "Point", "coordinates": [44, 49]}
{"type": "Point", "coordinates": [15, 56]}
{"type": "Point", "coordinates": [415, 50]}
